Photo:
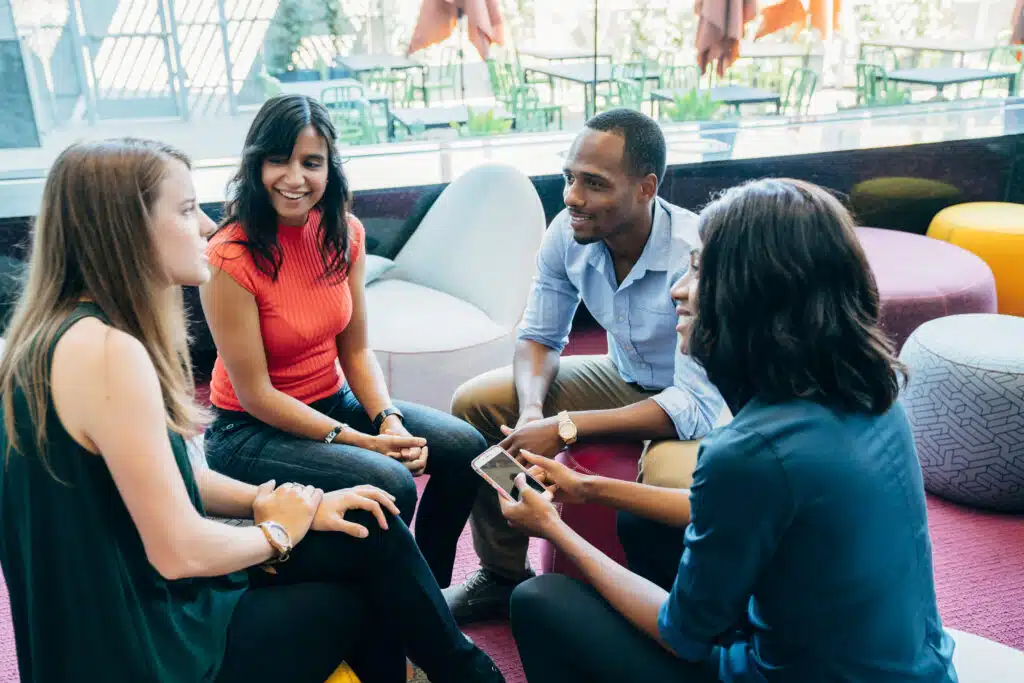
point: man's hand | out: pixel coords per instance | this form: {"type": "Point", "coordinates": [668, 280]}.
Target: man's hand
{"type": "Point", "coordinates": [539, 436]}
{"type": "Point", "coordinates": [534, 513]}
{"type": "Point", "coordinates": [330, 516]}
{"type": "Point", "coordinates": [414, 459]}
{"type": "Point", "coordinates": [564, 483]}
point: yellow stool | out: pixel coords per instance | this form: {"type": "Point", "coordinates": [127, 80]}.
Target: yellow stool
{"type": "Point", "coordinates": [343, 674]}
{"type": "Point", "coordinates": [995, 232]}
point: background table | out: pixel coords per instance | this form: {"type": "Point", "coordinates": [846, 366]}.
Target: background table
{"type": "Point", "coordinates": [360, 64]}
{"type": "Point", "coordinates": [583, 74]}
{"type": "Point", "coordinates": [563, 55]}
{"type": "Point", "coordinates": [731, 95]}
{"type": "Point", "coordinates": [438, 117]}
{"type": "Point", "coordinates": [940, 77]}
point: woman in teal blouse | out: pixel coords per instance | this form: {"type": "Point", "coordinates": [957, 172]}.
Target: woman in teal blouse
{"type": "Point", "coordinates": [115, 572]}
{"type": "Point", "coordinates": [806, 552]}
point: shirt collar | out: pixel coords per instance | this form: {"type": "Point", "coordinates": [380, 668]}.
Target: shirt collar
{"type": "Point", "coordinates": [656, 252]}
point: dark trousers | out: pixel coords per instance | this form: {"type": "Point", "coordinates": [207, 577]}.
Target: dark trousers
{"type": "Point", "coordinates": [369, 602]}
{"type": "Point", "coordinates": [244, 448]}
{"type": "Point", "coordinates": [653, 550]}
{"type": "Point", "coordinates": [566, 631]}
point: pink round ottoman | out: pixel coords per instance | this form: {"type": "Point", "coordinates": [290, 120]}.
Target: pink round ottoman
{"type": "Point", "coordinates": [595, 523]}
{"type": "Point", "coordinates": [920, 279]}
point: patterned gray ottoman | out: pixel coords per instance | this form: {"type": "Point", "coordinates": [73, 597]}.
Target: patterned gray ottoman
{"type": "Point", "coordinates": [965, 400]}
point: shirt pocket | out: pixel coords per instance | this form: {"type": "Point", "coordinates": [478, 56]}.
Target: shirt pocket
{"type": "Point", "coordinates": [650, 295]}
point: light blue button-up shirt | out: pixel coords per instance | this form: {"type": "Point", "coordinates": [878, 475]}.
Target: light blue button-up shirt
{"type": "Point", "coordinates": [638, 315]}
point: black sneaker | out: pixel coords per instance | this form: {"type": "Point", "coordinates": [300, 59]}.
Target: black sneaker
{"type": "Point", "coordinates": [483, 596]}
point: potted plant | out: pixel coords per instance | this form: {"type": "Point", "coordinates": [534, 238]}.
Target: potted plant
{"type": "Point", "coordinates": [692, 105]}
{"type": "Point", "coordinates": [289, 27]}
{"type": "Point", "coordinates": [483, 123]}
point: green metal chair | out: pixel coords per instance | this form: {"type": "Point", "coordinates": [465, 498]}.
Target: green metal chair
{"type": "Point", "coordinates": [872, 80]}
{"type": "Point", "coordinates": [796, 99]}
{"type": "Point", "coordinates": [447, 76]}
{"type": "Point", "coordinates": [1006, 58]}
{"type": "Point", "coordinates": [531, 115]}
{"type": "Point", "coordinates": [681, 77]}
{"type": "Point", "coordinates": [874, 88]}
{"type": "Point", "coordinates": [391, 83]}
{"type": "Point", "coordinates": [884, 57]}
{"type": "Point", "coordinates": [624, 93]}
{"type": "Point", "coordinates": [351, 114]}
{"type": "Point", "coordinates": [505, 77]}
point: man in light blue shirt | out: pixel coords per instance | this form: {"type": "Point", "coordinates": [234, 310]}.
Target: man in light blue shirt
{"type": "Point", "coordinates": [618, 248]}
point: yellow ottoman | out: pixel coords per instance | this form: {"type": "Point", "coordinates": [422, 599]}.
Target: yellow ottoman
{"type": "Point", "coordinates": [343, 674]}
{"type": "Point", "coordinates": [995, 232]}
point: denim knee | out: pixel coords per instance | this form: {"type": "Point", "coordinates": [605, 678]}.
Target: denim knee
{"type": "Point", "coordinates": [394, 478]}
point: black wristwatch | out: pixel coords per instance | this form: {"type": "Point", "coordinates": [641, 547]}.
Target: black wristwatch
{"type": "Point", "coordinates": [378, 421]}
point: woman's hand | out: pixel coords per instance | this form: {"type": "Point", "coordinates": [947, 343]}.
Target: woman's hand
{"type": "Point", "coordinates": [413, 458]}
{"type": "Point", "coordinates": [330, 516]}
{"type": "Point", "coordinates": [290, 505]}
{"type": "Point", "coordinates": [402, 446]}
{"type": "Point", "coordinates": [534, 513]}
{"type": "Point", "coordinates": [565, 484]}
{"type": "Point", "coordinates": [396, 442]}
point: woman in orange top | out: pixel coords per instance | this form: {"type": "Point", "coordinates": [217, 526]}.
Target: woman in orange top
{"type": "Point", "coordinates": [298, 392]}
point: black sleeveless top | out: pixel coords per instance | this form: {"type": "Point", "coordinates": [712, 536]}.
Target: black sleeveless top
{"type": "Point", "coordinates": [87, 604]}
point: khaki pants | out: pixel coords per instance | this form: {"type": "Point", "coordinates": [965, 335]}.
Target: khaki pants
{"type": "Point", "coordinates": [582, 383]}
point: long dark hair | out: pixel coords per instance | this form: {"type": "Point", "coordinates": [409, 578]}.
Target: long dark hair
{"type": "Point", "coordinates": [273, 132]}
{"type": "Point", "coordinates": [787, 306]}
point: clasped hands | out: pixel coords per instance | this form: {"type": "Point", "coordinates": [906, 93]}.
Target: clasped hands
{"type": "Point", "coordinates": [300, 508]}
{"type": "Point", "coordinates": [396, 442]}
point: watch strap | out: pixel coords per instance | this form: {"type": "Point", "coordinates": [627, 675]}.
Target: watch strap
{"type": "Point", "coordinates": [333, 434]}
{"type": "Point", "coordinates": [378, 421]}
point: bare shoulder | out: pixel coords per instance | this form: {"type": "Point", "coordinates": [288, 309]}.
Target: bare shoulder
{"type": "Point", "coordinates": [95, 366]}
{"type": "Point", "coordinates": [90, 343]}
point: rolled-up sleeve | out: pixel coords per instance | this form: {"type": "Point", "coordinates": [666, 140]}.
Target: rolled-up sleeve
{"type": "Point", "coordinates": [741, 503]}
{"type": "Point", "coordinates": [692, 402]}
{"type": "Point", "coordinates": [553, 297]}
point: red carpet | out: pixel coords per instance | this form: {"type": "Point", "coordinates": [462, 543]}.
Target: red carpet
{"type": "Point", "coordinates": [979, 575]}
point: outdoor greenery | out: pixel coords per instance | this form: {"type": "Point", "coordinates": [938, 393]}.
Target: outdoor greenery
{"type": "Point", "coordinates": [693, 105]}
{"type": "Point", "coordinates": [336, 22]}
{"type": "Point", "coordinates": [483, 123]}
{"type": "Point", "coordinates": [291, 24]}
{"type": "Point", "coordinates": [892, 96]}
{"type": "Point", "coordinates": [887, 19]}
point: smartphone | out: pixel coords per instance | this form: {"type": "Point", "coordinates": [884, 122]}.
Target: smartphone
{"type": "Point", "coordinates": [499, 469]}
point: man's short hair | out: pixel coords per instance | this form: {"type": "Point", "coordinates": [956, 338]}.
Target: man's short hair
{"type": "Point", "coordinates": [645, 151]}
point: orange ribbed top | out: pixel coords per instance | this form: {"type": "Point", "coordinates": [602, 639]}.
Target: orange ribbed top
{"type": "Point", "coordinates": [301, 314]}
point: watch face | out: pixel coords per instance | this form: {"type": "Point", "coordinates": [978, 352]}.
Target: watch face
{"type": "Point", "coordinates": [566, 430]}
{"type": "Point", "coordinates": [279, 535]}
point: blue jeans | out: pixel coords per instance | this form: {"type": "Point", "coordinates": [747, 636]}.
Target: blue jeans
{"type": "Point", "coordinates": [240, 446]}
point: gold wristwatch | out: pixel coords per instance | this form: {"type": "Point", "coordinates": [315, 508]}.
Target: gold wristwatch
{"type": "Point", "coordinates": [279, 539]}
{"type": "Point", "coordinates": [566, 428]}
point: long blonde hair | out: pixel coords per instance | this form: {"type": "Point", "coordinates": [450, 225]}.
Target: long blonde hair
{"type": "Point", "coordinates": [92, 241]}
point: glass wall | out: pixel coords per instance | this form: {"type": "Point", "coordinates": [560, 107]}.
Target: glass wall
{"type": "Point", "coordinates": [193, 72]}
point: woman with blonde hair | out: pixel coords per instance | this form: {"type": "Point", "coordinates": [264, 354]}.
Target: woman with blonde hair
{"type": "Point", "coordinates": [115, 572]}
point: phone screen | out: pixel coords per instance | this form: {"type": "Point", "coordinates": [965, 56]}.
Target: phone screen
{"type": "Point", "coordinates": [503, 470]}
